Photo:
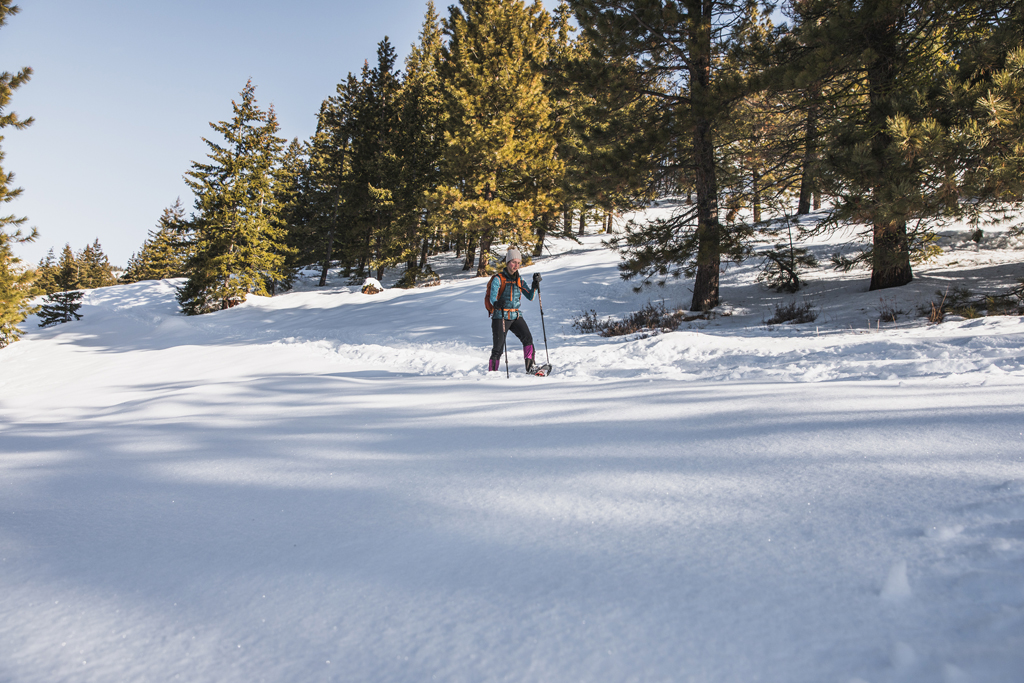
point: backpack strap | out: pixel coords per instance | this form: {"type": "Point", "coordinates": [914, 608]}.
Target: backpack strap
{"type": "Point", "coordinates": [501, 290]}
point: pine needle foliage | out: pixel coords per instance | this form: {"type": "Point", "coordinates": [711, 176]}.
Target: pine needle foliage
{"type": "Point", "coordinates": [237, 246]}
{"type": "Point", "coordinates": [89, 268]}
{"type": "Point", "coordinates": [673, 51]}
{"type": "Point", "coordinates": [163, 254]}
{"type": "Point", "coordinates": [62, 305]}
{"type": "Point", "coordinates": [16, 280]}
{"type": "Point", "coordinates": [897, 154]}
{"type": "Point", "coordinates": [501, 165]}
{"type": "Point", "coordinates": [16, 291]}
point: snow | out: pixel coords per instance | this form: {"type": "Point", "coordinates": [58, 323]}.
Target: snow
{"type": "Point", "coordinates": [328, 486]}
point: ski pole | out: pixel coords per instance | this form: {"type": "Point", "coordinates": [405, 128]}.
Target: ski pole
{"type": "Point", "coordinates": [540, 302]}
{"type": "Point", "coordinates": [504, 342]}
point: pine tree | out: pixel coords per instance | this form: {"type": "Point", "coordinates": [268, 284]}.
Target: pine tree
{"type": "Point", "coordinates": [238, 245]}
{"type": "Point", "coordinates": [322, 182]}
{"type": "Point", "coordinates": [614, 160]}
{"type": "Point", "coordinates": [985, 105]}
{"type": "Point", "coordinates": [672, 49]}
{"type": "Point", "coordinates": [377, 164]}
{"type": "Point", "coordinates": [340, 153]}
{"type": "Point", "coordinates": [46, 273]}
{"type": "Point", "coordinates": [422, 117]}
{"type": "Point", "coordinates": [62, 306]}
{"type": "Point", "coordinates": [501, 164]}
{"type": "Point", "coordinates": [887, 60]}
{"type": "Point", "coordinates": [568, 104]}
{"type": "Point", "coordinates": [16, 288]}
{"type": "Point", "coordinates": [374, 155]}
{"type": "Point", "coordinates": [16, 291]}
{"type": "Point", "coordinates": [163, 253]}
{"type": "Point", "coordinates": [291, 186]}
{"type": "Point", "coordinates": [94, 268]}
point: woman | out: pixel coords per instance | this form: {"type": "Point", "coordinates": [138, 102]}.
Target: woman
{"type": "Point", "coordinates": [503, 294]}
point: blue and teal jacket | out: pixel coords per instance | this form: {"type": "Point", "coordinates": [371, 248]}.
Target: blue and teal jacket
{"type": "Point", "coordinates": [508, 307]}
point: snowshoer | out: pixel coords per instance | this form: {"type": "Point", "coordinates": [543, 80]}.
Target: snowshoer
{"type": "Point", "coordinates": [503, 297]}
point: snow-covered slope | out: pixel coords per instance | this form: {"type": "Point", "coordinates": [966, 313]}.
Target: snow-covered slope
{"type": "Point", "coordinates": [327, 486]}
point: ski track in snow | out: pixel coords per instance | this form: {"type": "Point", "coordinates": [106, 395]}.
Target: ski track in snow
{"type": "Point", "coordinates": [326, 486]}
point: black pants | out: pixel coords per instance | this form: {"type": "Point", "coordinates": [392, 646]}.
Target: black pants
{"type": "Point", "coordinates": [501, 327]}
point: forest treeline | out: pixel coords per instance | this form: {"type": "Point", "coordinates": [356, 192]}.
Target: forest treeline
{"type": "Point", "coordinates": [508, 124]}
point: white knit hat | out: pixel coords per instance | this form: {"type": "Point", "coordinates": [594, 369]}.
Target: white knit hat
{"type": "Point", "coordinates": [513, 255]}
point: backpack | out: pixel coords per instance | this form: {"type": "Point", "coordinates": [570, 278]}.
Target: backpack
{"type": "Point", "coordinates": [501, 292]}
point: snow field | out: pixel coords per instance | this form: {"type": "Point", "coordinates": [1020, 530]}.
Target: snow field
{"type": "Point", "coordinates": [327, 486]}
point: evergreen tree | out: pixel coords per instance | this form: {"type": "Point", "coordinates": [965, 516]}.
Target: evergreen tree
{"type": "Point", "coordinates": [887, 60]}
{"type": "Point", "coordinates": [163, 254]}
{"type": "Point", "coordinates": [62, 306]}
{"type": "Point", "coordinates": [324, 191]}
{"type": "Point", "coordinates": [291, 186]}
{"type": "Point", "coordinates": [614, 159]}
{"type": "Point", "coordinates": [94, 268]}
{"type": "Point", "coordinates": [347, 195]}
{"type": "Point", "coordinates": [672, 50]}
{"type": "Point", "coordinates": [237, 244]}
{"type": "Point", "coordinates": [16, 291]}
{"type": "Point", "coordinates": [985, 105]}
{"type": "Point", "coordinates": [377, 164]}
{"type": "Point", "coordinates": [422, 117]}
{"type": "Point", "coordinates": [374, 156]}
{"type": "Point", "coordinates": [501, 164]}
{"type": "Point", "coordinates": [46, 273]}
{"type": "Point", "coordinates": [16, 288]}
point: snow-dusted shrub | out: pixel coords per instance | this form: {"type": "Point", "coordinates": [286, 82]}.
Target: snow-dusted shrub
{"type": "Point", "coordinates": [951, 302]}
{"type": "Point", "coordinates": [960, 301]}
{"type": "Point", "coordinates": [372, 286]}
{"type": "Point", "coordinates": [652, 317]}
{"type": "Point", "coordinates": [587, 322]}
{"type": "Point", "coordinates": [889, 311]}
{"type": "Point", "coordinates": [793, 313]}
{"type": "Point", "coordinates": [781, 266]}
{"type": "Point", "coordinates": [414, 277]}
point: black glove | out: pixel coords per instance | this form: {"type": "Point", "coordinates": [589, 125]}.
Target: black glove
{"type": "Point", "coordinates": [536, 278]}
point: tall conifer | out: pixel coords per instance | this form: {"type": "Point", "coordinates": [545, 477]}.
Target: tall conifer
{"type": "Point", "coordinates": [94, 268]}
{"type": "Point", "coordinates": [423, 117]}
{"type": "Point", "coordinates": [238, 245]}
{"type": "Point", "coordinates": [15, 280]}
{"type": "Point", "coordinates": [501, 162]}
{"type": "Point", "coordinates": [62, 305]}
{"type": "Point", "coordinates": [163, 253]}
{"type": "Point", "coordinates": [886, 61]}
{"type": "Point", "coordinates": [673, 50]}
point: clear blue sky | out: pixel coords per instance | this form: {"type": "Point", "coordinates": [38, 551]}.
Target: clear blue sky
{"type": "Point", "coordinates": [124, 90]}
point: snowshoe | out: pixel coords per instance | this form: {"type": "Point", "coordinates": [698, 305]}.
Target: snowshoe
{"type": "Point", "coordinates": [540, 370]}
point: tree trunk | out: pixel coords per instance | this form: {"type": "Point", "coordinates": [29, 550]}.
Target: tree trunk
{"type": "Point", "coordinates": [890, 257]}
{"type": "Point", "coordinates": [486, 239]}
{"type": "Point", "coordinates": [470, 253]}
{"type": "Point", "coordinates": [756, 196]}
{"type": "Point", "coordinates": [709, 231]}
{"type": "Point", "coordinates": [810, 154]}
{"type": "Point", "coordinates": [327, 258]}
{"type": "Point", "coordinates": [890, 254]}
{"type": "Point", "coordinates": [566, 221]}
{"type": "Point", "coordinates": [583, 221]}
{"type": "Point", "coordinates": [424, 252]}
{"type": "Point", "coordinates": [542, 231]}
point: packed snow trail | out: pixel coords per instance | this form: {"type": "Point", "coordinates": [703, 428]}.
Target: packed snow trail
{"type": "Point", "coordinates": [326, 486]}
